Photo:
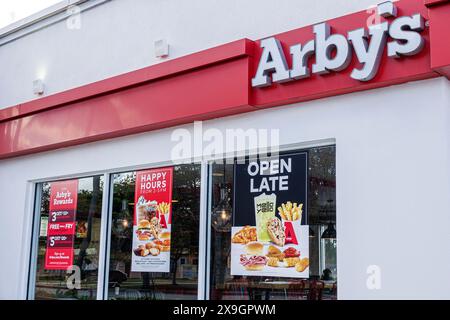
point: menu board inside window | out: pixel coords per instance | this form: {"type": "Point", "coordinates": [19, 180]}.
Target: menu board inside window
{"type": "Point", "coordinates": [270, 232]}
{"type": "Point", "coordinates": [61, 225]}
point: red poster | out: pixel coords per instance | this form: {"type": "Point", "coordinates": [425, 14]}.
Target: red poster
{"type": "Point", "coordinates": [61, 224]}
{"type": "Point", "coordinates": [152, 220]}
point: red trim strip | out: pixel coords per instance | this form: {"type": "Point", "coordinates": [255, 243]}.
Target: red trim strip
{"type": "Point", "coordinates": [205, 85]}
{"type": "Point", "coordinates": [201, 94]}
{"type": "Point", "coordinates": [439, 34]}
{"type": "Point", "coordinates": [430, 3]}
{"type": "Point", "coordinates": [232, 50]}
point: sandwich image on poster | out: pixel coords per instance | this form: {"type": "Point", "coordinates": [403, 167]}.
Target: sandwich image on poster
{"type": "Point", "coordinates": [152, 221]}
{"type": "Point", "coordinates": [270, 233]}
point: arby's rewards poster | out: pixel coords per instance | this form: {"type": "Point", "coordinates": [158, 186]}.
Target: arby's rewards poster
{"type": "Point", "coordinates": [61, 225]}
{"type": "Point", "coordinates": [270, 232]}
{"type": "Point", "coordinates": [152, 220]}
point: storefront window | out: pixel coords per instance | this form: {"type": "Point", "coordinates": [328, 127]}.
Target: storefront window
{"type": "Point", "coordinates": [152, 236]}
{"type": "Point", "coordinates": [317, 272]}
{"type": "Point", "coordinates": [177, 258]}
{"type": "Point", "coordinates": [69, 239]}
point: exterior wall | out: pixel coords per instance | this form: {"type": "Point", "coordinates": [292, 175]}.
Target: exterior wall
{"type": "Point", "coordinates": [393, 182]}
{"type": "Point", "coordinates": [118, 37]}
{"type": "Point", "coordinates": [393, 145]}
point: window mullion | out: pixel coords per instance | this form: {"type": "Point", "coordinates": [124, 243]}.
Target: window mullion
{"type": "Point", "coordinates": [103, 265]}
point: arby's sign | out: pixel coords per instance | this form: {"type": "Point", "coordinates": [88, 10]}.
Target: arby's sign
{"type": "Point", "coordinates": [333, 52]}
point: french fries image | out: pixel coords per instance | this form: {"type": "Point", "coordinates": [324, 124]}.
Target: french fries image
{"type": "Point", "coordinates": [163, 207]}
{"type": "Point", "coordinates": [291, 211]}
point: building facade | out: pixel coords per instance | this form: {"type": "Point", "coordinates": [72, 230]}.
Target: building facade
{"type": "Point", "coordinates": [97, 94]}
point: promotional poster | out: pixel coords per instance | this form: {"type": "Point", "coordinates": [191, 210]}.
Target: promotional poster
{"type": "Point", "coordinates": [61, 224]}
{"type": "Point", "coordinates": [152, 220]}
{"type": "Point", "coordinates": [270, 233]}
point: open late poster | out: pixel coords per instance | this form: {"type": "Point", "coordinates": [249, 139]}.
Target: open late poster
{"type": "Point", "coordinates": [270, 233]}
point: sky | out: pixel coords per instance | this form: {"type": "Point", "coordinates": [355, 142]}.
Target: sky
{"type": "Point", "coordinates": [14, 10]}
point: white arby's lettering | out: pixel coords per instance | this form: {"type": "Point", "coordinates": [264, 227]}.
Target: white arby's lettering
{"type": "Point", "coordinates": [333, 52]}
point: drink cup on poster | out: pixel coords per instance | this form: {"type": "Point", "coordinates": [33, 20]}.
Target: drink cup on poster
{"type": "Point", "coordinates": [146, 210]}
{"type": "Point", "coordinates": [142, 212]}
{"type": "Point", "coordinates": [264, 211]}
{"type": "Point", "coordinates": [151, 209]}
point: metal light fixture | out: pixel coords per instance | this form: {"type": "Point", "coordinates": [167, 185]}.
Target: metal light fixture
{"type": "Point", "coordinates": [329, 232]}
{"type": "Point", "coordinates": [312, 234]}
{"type": "Point", "coordinates": [221, 214]}
{"type": "Point", "coordinates": [38, 87]}
{"type": "Point", "coordinates": [161, 48]}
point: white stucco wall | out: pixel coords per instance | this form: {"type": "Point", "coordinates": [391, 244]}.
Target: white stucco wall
{"type": "Point", "coordinates": [393, 184]}
{"type": "Point", "coordinates": [393, 146]}
{"type": "Point", "coordinates": [118, 36]}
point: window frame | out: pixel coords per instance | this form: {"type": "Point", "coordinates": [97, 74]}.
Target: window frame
{"type": "Point", "coordinates": [204, 267]}
{"type": "Point", "coordinates": [36, 197]}
{"type": "Point", "coordinates": [202, 233]}
{"type": "Point", "coordinates": [298, 147]}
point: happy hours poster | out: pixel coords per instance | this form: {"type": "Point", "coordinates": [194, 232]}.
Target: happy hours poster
{"type": "Point", "coordinates": [270, 233]}
{"type": "Point", "coordinates": [152, 220]}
